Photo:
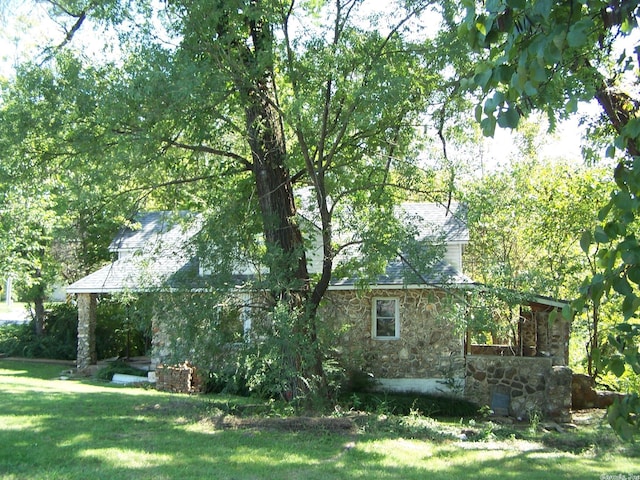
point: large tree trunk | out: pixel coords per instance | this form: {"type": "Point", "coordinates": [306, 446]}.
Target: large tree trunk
{"type": "Point", "coordinates": [275, 192]}
{"type": "Point", "coordinates": [286, 255]}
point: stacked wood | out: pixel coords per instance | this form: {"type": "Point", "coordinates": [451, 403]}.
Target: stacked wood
{"type": "Point", "coordinates": [178, 378]}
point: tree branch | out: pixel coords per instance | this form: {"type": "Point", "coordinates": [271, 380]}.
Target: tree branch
{"type": "Point", "coordinates": [214, 151]}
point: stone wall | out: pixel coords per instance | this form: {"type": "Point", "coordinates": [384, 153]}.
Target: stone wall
{"type": "Point", "coordinates": [519, 385]}
{"type": "Point", "coordinates": [430, 345]}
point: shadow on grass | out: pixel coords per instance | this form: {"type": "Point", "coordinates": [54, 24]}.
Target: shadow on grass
{"type": "Point", "coordinates": [51, 429]}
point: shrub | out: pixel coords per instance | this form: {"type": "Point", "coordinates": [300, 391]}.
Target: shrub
{"type": "Point", "coordinates": [118, 366]}
{"type": "Point", "coordinates": [59, 341]}
{"type": "Point", "coordinates": [12, 339]}
{"type": "Point", "coordinates": [431, 405]}
{"type": "Point", "coordinates": [121, 330]}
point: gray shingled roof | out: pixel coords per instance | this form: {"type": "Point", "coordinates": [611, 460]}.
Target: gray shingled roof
{"type": "Point", "coordinates": [436, 219]}
{"type": "Point", "coordinates": [159, 252]}
{"type": "Point", "coordinates": [152, 227]}
{"type": "Point", "coordinates": [399, 274]}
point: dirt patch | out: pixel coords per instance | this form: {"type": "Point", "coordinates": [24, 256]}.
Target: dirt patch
{"type": "Point", "coordinates": [288, 424]}
{"type": "Point", "coordinates": [592, 416]}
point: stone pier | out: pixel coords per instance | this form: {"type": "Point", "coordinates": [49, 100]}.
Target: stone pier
{"type": "Point", "coordinates": [86, 331]}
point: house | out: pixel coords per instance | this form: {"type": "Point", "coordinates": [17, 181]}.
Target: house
{"type": "Point", "coordinates": [408, 328]}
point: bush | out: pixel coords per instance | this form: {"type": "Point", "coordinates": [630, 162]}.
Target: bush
{"type": "Point", "coordinates": [118, 330]}
{"type": "Point", "coordinates": [118, 366]}
{"type": "Point", "coordinates": [12, 339]}
{"type": "Point", "coordinates": [59, 341]}
{"type": "Point", "coordinates": [121, 330]}
{"type": "Point", "coordinates": [393, 403]}
{"type": "Point", "coordinates": [226, 381]}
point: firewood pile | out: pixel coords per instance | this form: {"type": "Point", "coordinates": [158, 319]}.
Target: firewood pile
{"type": "Point", "coordinates": [178, 378]}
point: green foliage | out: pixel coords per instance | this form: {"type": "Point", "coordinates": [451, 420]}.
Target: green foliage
{"type": "Point", "coordinates": [227, 117]}
{"type": "Point", "coordinates": [116, 334]}
{"type": "Point", "coordinates": [58, 342]}
{"type": "Point", "coordinates": [274, 365]}
{"type": "Point", "coordinates": [122, 328]}
{"type": "Point", "coordinates": [405, 403]}
{"type": "Point", "coordinates": [527, 235]}
{"type": "Point", "coordinates": [624, 416]}
{"type": "Point", "coordinates": [118, 366]}
{"type": "Point", "coordinates": [12, 339]}
{"type": "Point", "coordinates": [542, 55]}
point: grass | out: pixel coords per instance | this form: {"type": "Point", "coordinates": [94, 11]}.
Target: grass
{"type": "Point", "coordinates": [71, 429]}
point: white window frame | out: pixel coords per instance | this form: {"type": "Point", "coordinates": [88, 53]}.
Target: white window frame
{"type": "Point", "coordinates": [374, 318]}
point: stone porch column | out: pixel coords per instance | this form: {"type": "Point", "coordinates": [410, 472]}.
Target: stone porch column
{"type": "Point", "coordinates": [86, 330]}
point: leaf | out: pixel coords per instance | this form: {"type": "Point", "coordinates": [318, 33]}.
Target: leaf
{"type": "Point", "coordinates": [616, 366]}
{"type": "Point", "coordinates": [478, 113]}
{"type": "Point", "coordinates": [630, 306]}
{"type": "Point", "coordinates": [578, 32]}
{"type": "Point", "coordinates": [519, 4]}
{"type": "Point", "coordinates": [632, 128]}
{"type": "Point", "coordinates": [621, 285]}
{"type": "Point", "coordinates": [586, 239]}
{"type": "Point", "coordinates": [600, 236]}
{"type": "Point", "coordinates": [572, 105]}
{"type": "Point", "coordinates": [631, 256]}
{"type": "Point", "coordinates": [509, 118]}
{"type": "Point", "coordinates": [503, 73]}
{"type": "Point", "coordinates": [488, 126]}
{"type": "Point", "coordinates": [543, 8]}
{"type": "Point", "coordinates": [623, 200]}
{"type": "Point", "coordinates": [493, 102]}
{"type": "Point", "coordinates": [633, 274]}
{"type": "Point", "coordinates": [480, 26]}
{"type": "Point", "coordinates": [604, 211]}
{"type": "Point", "coordinates": [530, 89]}
{"type": "Point", "coordinates": [482, 78]}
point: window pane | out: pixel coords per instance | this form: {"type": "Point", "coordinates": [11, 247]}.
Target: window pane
{"type": "Point", "coordinates": [386, 327]}
{"type": "Point", "coordinates": [386, 308]}
{"type": "Point", "coordinates": [385, 318]}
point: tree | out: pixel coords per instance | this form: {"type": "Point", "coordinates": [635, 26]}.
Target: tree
{"type": "Point", "coordinates": [250, 98]}
{"type": "Point", "coordinates": [526, 223]}
{"type": "Point", "coordinates": [549, 56]}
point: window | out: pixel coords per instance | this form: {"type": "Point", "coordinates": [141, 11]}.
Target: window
{"type": "Point", "coordinates": [385, 316]}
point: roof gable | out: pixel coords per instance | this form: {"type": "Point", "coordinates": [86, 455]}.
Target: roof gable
{"type": "Point", "coordinates": [436, 219]}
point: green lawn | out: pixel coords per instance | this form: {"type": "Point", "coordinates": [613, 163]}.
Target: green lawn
{"type": "Point", "coordinates": [71, 429]}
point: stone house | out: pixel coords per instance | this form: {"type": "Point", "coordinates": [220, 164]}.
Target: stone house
{"type": "Point", "coordinates": [407, 329]}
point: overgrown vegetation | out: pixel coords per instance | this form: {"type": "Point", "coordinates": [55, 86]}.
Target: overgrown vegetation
{"type": "Point", "coordinates": [120, 331]}
{"type": "Point", "coordinates": [429, 405]}
{"type": "Point", "coordinates": [118, 366]}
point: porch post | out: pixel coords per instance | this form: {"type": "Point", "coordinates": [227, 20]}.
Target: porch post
{"type": "Point", "coordinates": [86, 330]}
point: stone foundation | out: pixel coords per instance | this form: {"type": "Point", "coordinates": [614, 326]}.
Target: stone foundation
{"type": "Point", "coordinates": [521, 386]}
